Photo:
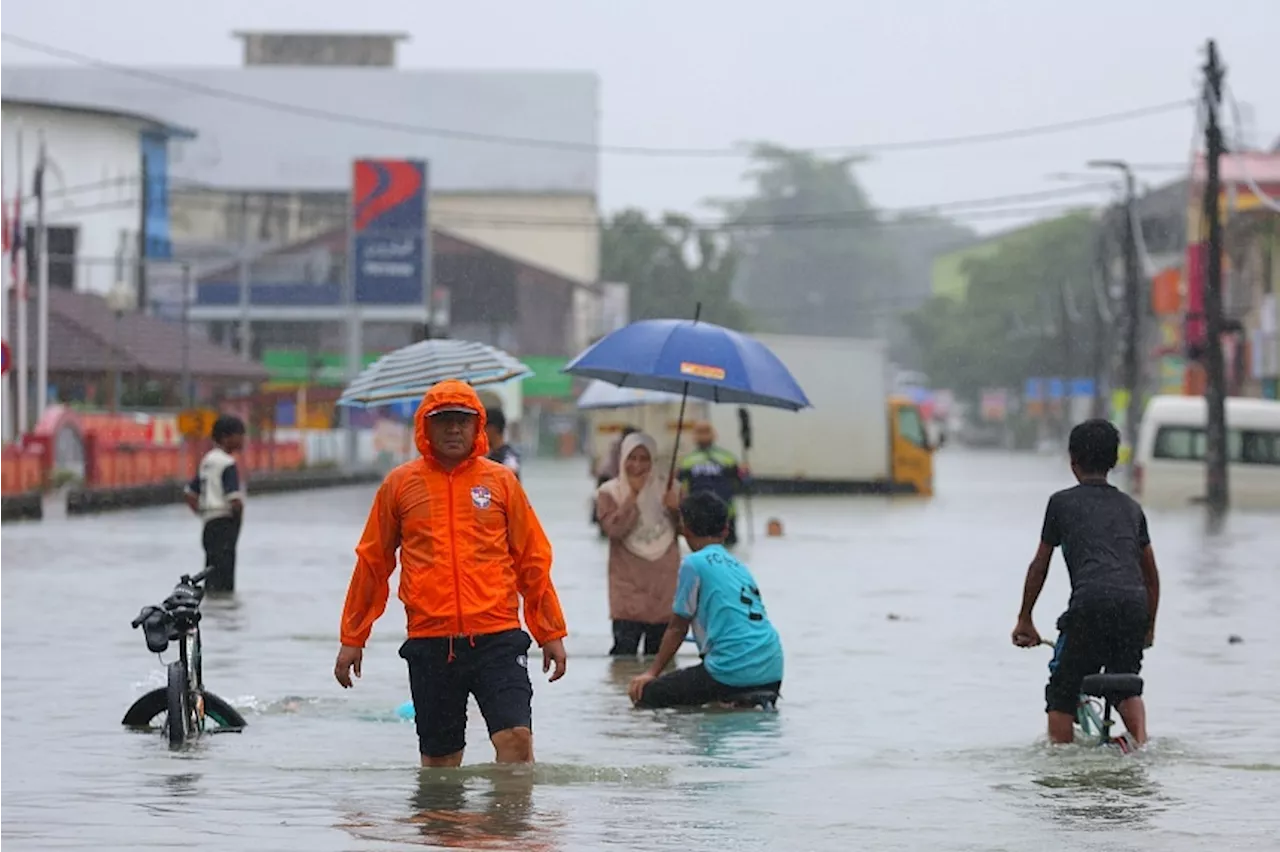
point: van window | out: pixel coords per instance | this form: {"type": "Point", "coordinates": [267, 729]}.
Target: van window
{"type": "Point", "coordinates": [911, 427]}
{"type": "Point", "coordinates": [1187, 443]}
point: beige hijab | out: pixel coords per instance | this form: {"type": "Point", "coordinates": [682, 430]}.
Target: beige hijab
{"type": "Point", "coordinates": [654, 532]}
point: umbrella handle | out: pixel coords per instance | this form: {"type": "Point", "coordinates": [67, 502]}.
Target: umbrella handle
{"type": "Point", "coordinates": [684, 399]}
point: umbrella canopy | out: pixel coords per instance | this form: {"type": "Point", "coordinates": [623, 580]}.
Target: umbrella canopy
{"type": "Point", "coordinates": [407, 373]}
{"type": "Point", "coordinates": [604, 395]}
{"type": "Point", "coordinates": [707, 361]}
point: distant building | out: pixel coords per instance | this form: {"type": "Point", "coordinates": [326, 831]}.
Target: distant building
{"type": "Point", "coordinates": [93, 186]}
{"type": "Point", "coordinates": [513, 167]}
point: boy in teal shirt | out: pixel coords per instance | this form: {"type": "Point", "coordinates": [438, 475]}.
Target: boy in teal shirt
{"type": "Point", "coordinates": [716, 596]}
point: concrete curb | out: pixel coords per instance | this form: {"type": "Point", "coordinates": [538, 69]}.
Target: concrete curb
{"type": "Point", "coordinates": [22, 507]}
{"type": "Point", "coordinates": [87, 501]}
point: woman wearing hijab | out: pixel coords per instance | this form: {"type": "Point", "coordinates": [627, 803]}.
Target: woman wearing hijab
{"type": "Point", "coordinates": [638, 513]}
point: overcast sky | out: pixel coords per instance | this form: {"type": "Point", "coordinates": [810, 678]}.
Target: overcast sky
{"type": "Point", "coordinates": [709, 73]}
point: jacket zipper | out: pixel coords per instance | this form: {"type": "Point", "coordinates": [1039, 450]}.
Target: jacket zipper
{"type": "Point", "coordinates": [453, 552]}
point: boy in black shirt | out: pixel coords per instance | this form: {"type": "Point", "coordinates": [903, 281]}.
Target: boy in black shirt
{"type": "Point", "coordinates": [1115, 587]}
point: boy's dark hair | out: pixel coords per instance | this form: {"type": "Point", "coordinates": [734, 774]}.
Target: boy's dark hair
{"type": "Point", "coordinates": [226, 426]}
{"type": "Point", "coordinates": [495, 418]}
{"type": "Point", "coordinates": [1094, 446]}
{"type": "Point", "coordinates": [704, 514]}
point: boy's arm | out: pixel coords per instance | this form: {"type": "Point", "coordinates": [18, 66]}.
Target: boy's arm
{"type": "Point", "coordinates": [683, 609]}
{"type": "Point", "coordinates": [531, 554]}
{"type": "Point", "coordinates": [191, 493]}
{"type": "Point", "coordinates": [1024, 632]}
{"type": "Point", "coordinates": [231, 488]}
{"type": "Point", "coordinates": [375, 561]}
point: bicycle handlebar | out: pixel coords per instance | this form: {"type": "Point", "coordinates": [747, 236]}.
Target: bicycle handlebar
{"type": "Point", "coordinates": [198, 578]}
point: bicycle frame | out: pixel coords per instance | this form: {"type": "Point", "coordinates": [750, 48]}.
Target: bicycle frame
{"type": "Point", "coordinates": [189, 655]}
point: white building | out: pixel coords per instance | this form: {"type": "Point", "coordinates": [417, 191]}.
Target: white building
{"type": "Point", "coordinates": [93, 185]}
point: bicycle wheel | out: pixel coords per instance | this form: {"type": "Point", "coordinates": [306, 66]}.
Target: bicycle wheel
{"type": "Point", "coordinates": [178, 721]}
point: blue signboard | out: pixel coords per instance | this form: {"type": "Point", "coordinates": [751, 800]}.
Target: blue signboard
{"type": "Point", "coordinates": [1055, 390]}
{"type": "Point", "coordinates": [1033, 391]}
{"type": "Point", "coordinates": [155, 168]}
{"type": "Point", "coordinates": [1082, 387]}
{"type": "Point", "coordinates": [390, 254]}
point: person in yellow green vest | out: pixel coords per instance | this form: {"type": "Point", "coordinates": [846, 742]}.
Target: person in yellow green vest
{"type": "Point", "coordinates": [714, 469]}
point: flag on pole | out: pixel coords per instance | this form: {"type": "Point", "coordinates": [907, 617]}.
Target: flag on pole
{"type": "Point", "coordinates": [13, 242]}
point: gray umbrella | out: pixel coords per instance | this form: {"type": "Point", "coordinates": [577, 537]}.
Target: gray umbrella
{"type": "Point", "coordinates": [407, 373]}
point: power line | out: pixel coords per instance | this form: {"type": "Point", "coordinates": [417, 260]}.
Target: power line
{"type": "Point", "coordinates": [565, 145]}
{"type": "Point", "coordinates": [976, 209]}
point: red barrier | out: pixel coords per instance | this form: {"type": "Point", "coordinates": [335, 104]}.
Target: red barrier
{"type": "Point", "coordinates": [23, 469]}
{"type": "Point", "coordinates": [123, 466]}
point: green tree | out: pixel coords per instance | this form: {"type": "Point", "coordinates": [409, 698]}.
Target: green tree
{"type": "Point", "coordinates": [671, 265]}
{"type": "Point", "coordinates": [814, 259]}
{"type": "Point", "coordinates": [1026, 312]}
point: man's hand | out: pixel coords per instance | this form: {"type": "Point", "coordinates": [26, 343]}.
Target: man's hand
{"type": "Point", "coordinates": [1025, 634]}
{"type": "Point", "coordinates": [1151, 637]}
{"type": "Point", "coordinates": [349, 658]}
{"type": "Point", "coordinates": [193, 502]}
{"type": "Point", "coordinates": [638, 683]}
{"type": "Point", "coordinates": [552, 652]}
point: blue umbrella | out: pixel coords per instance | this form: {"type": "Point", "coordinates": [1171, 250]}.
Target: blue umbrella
{"type": "Point", "coordinates": [691, 358]}
{"type": "Point", "coordinates": [694, 358]}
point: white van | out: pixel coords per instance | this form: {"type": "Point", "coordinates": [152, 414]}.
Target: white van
{"type": "Point", "coordinates": [1171, 450]}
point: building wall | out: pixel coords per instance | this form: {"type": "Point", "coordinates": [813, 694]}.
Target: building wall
{"type": "Point", "coordinates": [556, 232]}
{"type": "Point", "coordinates": [92, 183]}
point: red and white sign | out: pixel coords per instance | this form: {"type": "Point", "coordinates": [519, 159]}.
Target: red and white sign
{"type": "Point", "coordinates": [4, 357]}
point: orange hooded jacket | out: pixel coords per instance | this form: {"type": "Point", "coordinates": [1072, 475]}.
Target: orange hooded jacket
{"type": "Point", "coordinates": [470, 545]}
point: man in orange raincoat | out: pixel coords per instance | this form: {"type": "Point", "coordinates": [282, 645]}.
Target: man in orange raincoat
{"type": "Point", "coordinates": [470, 547]}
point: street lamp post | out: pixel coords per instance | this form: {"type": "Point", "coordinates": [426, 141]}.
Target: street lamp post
{"type": "Point", "coordinates": [1133, 308]}
{"type": "Point", "coordinates": [120, 298]}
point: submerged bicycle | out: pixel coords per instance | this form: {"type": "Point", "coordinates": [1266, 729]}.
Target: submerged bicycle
{"type": "Point", "coordinates": [183, 702]}
{"type": "Point", "coordinates": [1097, 700]}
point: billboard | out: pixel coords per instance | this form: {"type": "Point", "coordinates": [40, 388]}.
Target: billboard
{"type": "Point", "coordinates": [390, 242]}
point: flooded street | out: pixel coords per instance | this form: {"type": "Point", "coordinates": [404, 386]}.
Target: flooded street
{"type": "Point", "coordinates": [908, 721]}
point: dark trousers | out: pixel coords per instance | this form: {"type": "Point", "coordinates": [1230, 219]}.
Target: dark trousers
{"type": "Point", "coordinates": [220, 536]}
{"type": "Point", "coordinates": [627, 636]}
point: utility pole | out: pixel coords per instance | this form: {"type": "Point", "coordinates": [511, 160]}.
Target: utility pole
{"type": "Point", "coordinates": [1215, 373]}
{"type": "Point", "coordinates": [187, 395]}
{"type": "Point", "coordinates": [1133, 309]}
{"type": "Point", "coordinates": [42, 285]}
{"type": "Point", "coordinates": [246, 331]}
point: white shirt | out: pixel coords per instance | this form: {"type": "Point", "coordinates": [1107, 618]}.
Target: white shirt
{"type": "Point", "coordinates": [216, 483]}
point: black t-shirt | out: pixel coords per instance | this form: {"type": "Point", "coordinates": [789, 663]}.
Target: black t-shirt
{"type": "Point", "coordinates": [1102, 532]}
{"type": "Point", "coordinates": [507, 455]}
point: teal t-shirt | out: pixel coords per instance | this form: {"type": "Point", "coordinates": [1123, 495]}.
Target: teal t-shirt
{"type": "Point", "coordinates": [738, 643]}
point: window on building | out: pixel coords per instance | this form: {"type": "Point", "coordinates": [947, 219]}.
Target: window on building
{"type": "Point", "coordinates": [62, 256]}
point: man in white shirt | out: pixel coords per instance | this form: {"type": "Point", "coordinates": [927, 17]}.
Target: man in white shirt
{"type": "Point", "coordinates": [216, 494]}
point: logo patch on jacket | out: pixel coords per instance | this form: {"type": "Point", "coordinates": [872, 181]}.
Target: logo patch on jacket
{"type": "Point", "coordinates": [480, 497]}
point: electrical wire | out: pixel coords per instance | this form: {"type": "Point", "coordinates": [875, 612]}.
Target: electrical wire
{"type": "Point", "coordinates": [740, 151]}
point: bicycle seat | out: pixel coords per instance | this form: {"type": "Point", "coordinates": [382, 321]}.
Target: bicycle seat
{"type": "Point", "coordinates": [1108, 685]}
{"type": "Point", "coordinates": [765, 699]}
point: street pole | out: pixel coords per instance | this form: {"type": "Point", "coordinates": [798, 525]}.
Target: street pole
{"type": "Point", "coordinates": [1215, 373]}
{"type": "Point", "coordinates": [246, 347]}
{"type": "Point", "coordinates": [1133, 308]}
{"type": "Point", "coordinates": [5, 412]}
{"type": "Point", "coordinates": [42, 278]}
{"type": "Point", "coordinates": [187, 395]}
{"type": "Point", "coordinates": [20, 294]}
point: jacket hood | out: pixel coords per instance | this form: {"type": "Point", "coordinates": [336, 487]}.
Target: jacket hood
{"type": "Point", "coordinates": [448, 393]}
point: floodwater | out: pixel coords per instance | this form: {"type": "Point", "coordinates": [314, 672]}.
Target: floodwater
{"type": "Point", "coordinates": [908, 720]}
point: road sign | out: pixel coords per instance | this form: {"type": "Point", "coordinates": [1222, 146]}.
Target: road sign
{"type": "Point", "coordinates": [4, 358]}
{"type": "Point", "coordinates": [196, 422]}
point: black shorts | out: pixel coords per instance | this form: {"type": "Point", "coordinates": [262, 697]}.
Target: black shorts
{"type": "Point", "coordinates": [1092, 637]}
{"type": "Point", "coordinates": [494, 670]}
{"type": "Point", "coordinates": [693, 687]}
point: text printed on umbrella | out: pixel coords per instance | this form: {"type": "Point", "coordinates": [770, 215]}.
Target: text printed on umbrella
{"type": "Point", "coordinates": [702, 371]}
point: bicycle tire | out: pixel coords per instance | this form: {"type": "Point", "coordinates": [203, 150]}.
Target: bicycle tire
{"type": "Point", "coordinates": [178, 722]}
{"type": "Point", "coordinates": [155, 703]}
